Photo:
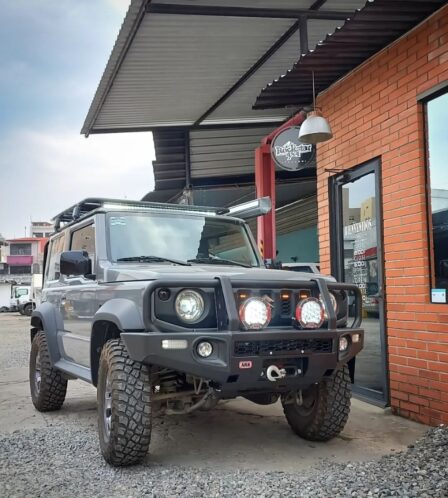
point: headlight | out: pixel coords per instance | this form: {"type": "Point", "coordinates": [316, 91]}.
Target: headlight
{"type": "Point", "coordinates": [310, 313]}
{"type": "Point", "coordinates": [255, 314]}
{"type": "Point", "coordinates": [334, 303]}
{"type": "Point", "coordinates": [189, 306]}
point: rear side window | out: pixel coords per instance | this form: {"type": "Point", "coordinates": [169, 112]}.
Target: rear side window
{"type": "Point", "coordinates": [54, 256]}
{"type": "Point", "coordinates": [84, 240]}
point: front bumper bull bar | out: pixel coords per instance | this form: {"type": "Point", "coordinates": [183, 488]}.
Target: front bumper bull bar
{"type": "Point", "coordinates": [241, 358]}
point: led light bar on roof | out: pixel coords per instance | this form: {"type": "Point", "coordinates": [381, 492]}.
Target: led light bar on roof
{"type": "Point", "coordinates": [83, 208]}
{"type": "Point", "coordinates": [74, 213]}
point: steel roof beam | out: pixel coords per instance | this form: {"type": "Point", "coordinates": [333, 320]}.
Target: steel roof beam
{"type": "Point", "coordinates": [253, 69]}
{"type": "Point", "coordinates": [301, 24]}
{"type": "Point", "coordinates": [212, 10]}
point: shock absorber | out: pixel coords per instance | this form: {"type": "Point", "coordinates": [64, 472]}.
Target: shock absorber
{"type": "Point", "coordinates": [168, 381]}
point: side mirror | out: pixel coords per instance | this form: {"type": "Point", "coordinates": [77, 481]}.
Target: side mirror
{"type": "Point", "coordinates": [75, 263]}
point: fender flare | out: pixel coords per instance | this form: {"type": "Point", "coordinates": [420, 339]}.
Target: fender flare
{"type": "Point", "coordinates": [123, 313]}
{"type": "Point", "coordinates": [48, 319]}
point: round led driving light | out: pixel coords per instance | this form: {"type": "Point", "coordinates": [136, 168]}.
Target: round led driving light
{"type": "Point", "coordinates": [310, 313]}
{"type": "Point", "coordinates": [255, 314]}
{"type": "Point", "coordinates": [204, 349]}
{"type": "Point", "coordinates": [189, 306]}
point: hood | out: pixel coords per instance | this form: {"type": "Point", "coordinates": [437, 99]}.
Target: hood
{"type": "Point", "coordinates": [144, 271]}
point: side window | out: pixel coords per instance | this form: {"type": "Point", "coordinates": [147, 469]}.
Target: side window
{"type": "Point", "coordinates": [436, 113]}
{"type": "Point", "coordinates": [84, 240]}
{"type": "Point", "coordinates": [54, 255]}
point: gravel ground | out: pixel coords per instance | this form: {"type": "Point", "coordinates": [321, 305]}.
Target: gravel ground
{"type": "Point", "coordinates": [65, 462]}
{"type": "Point", "coordinates": [15, 350]}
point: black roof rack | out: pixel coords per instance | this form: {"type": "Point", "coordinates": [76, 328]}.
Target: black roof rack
{"type": "Point", "coordinates": [86, 206]}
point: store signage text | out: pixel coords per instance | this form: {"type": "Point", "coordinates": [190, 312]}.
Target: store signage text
{"type": "Point", "coordinates": [290, 154]}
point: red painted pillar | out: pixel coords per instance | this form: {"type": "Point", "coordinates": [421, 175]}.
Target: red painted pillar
{"type": "Point", "coordinates": [265, 185]}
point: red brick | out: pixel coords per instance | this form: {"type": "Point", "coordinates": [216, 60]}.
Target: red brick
{"type": "Point", "coordinates": [379, 99]}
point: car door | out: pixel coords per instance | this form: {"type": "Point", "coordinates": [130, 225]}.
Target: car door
{"type": "Point", "coordinates": [54, 289]}
{"type": "Point", "coordinates": [79, 299]}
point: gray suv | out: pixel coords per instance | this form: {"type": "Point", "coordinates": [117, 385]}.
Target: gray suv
{"type": "Point", "coordinates": [167, 309]}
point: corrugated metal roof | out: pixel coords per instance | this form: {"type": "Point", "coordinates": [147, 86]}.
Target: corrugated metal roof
{"type": "Point", "coordinates": [171, 158]}
{"type": "Point", "coordinates": [168, 69]}
{"type": "Point", "coordinates": [374, 27]}
{"type": "Point", "coordinates": [177, 68]}
{"type": "Point", "coordinates": [278, 63]}
{"type": "Point", "coordinates": [224, 152]}
{"type": "Point", "coordinates": [281, 4]}
{"type": "Point", "coordinates": [211, 158]}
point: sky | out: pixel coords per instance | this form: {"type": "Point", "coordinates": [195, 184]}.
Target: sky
{"type": "Point", "coordinates": [52, 56]}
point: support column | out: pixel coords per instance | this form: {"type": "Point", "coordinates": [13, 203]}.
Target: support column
{"type": "Point", "coordinates": [265, 185]}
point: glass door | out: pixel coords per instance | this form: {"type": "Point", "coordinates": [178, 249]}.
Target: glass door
{"type": "Point", "coordinates": [357, 258]}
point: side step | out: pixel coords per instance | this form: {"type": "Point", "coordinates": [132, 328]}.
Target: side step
{"type": "Point", "coordinates": [74, 370]}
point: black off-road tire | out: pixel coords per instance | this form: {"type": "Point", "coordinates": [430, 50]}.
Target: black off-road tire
{"type": "Point", "coordinates": [124, 399]}
{"type": "Point", "coordinates": [48, 393]}
{"type": "Point", "coordinates": [28, 309]}
{"type": "Point", "coordinates": [325, 410]}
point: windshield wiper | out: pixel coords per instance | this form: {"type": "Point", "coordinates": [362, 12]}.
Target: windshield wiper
{"type": "Point", "coordinates": [218, 261]}
{"type": "Point", "coordinates": [153, 259]}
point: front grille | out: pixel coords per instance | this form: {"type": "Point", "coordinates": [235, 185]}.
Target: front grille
{"type": "Point", "coordinates": [283, 346]}
{"type": "Point", "coordinates": [286, 308]}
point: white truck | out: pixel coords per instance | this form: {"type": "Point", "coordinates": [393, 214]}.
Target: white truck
{"type": "Point", "coordinates": [5, 296]}
{"type": "Point", "coordinates": [26, 303]}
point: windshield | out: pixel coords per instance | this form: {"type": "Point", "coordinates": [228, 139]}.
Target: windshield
{"type": "Point", "coordinates": [151, 237]}
{"type": "Point", "coordinates": [21, 292]}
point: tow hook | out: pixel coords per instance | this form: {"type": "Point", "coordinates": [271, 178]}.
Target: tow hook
{"type": "Point", "coordinates": [273, 373]}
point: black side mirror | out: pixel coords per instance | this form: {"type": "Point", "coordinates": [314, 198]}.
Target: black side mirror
{"type": "Point", "coordinates": [75, 263]}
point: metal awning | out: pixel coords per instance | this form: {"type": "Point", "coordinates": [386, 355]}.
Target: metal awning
{"type": "Point", "coordinates": [368, 31]}
{"type": "Point", "coordinates": [212, 157]}
{"type": "Point", "coordinates": [287, 192]}
{"type": "Point", "coordinates": [192, 63]}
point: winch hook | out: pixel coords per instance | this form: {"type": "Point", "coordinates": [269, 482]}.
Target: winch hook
{"type": "Point", "coordinates": [273, 373]}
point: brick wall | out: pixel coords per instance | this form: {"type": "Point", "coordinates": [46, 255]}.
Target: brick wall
{"type": "Point", "coordinates": [374, 113]}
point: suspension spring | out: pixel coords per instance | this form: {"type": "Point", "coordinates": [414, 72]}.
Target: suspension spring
{"type": "Point", "coordinates": [168, 381]}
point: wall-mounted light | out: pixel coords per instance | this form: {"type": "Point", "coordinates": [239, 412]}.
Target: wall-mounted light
{"type": "Point", "coordinates": [315, 128]}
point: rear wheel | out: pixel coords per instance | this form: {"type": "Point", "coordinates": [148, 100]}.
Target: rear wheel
{"type": "Point", "coordinates": [322, 410]}
{"type": "Point", "coordinates": [48, 386]}
{"type": "Point", "coordinates": [124, 406]}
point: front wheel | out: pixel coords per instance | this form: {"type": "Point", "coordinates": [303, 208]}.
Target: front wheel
{"type": "Point", "coordinates": [321, 412]}
{"type": "Point", "coordinates": [124, 406]}
{"type": "Point", "coordinates": [28, 309]}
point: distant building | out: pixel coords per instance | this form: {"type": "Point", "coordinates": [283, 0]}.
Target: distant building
{"type": "Point", "coordinates": [41, 229]}
{"type": "Point", "coordinates": [3, 265]}
{"type": "Point", "coordinates": [24, 257]}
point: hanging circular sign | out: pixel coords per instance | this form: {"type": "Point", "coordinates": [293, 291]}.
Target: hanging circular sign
{"type": "Point", "coordinates": [291, 154]}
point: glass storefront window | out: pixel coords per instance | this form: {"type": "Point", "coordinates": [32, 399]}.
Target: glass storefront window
{"type": "Point", "coordinates": [437, 146]}
{"type": "Point", "coordinates": [360, 267]}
